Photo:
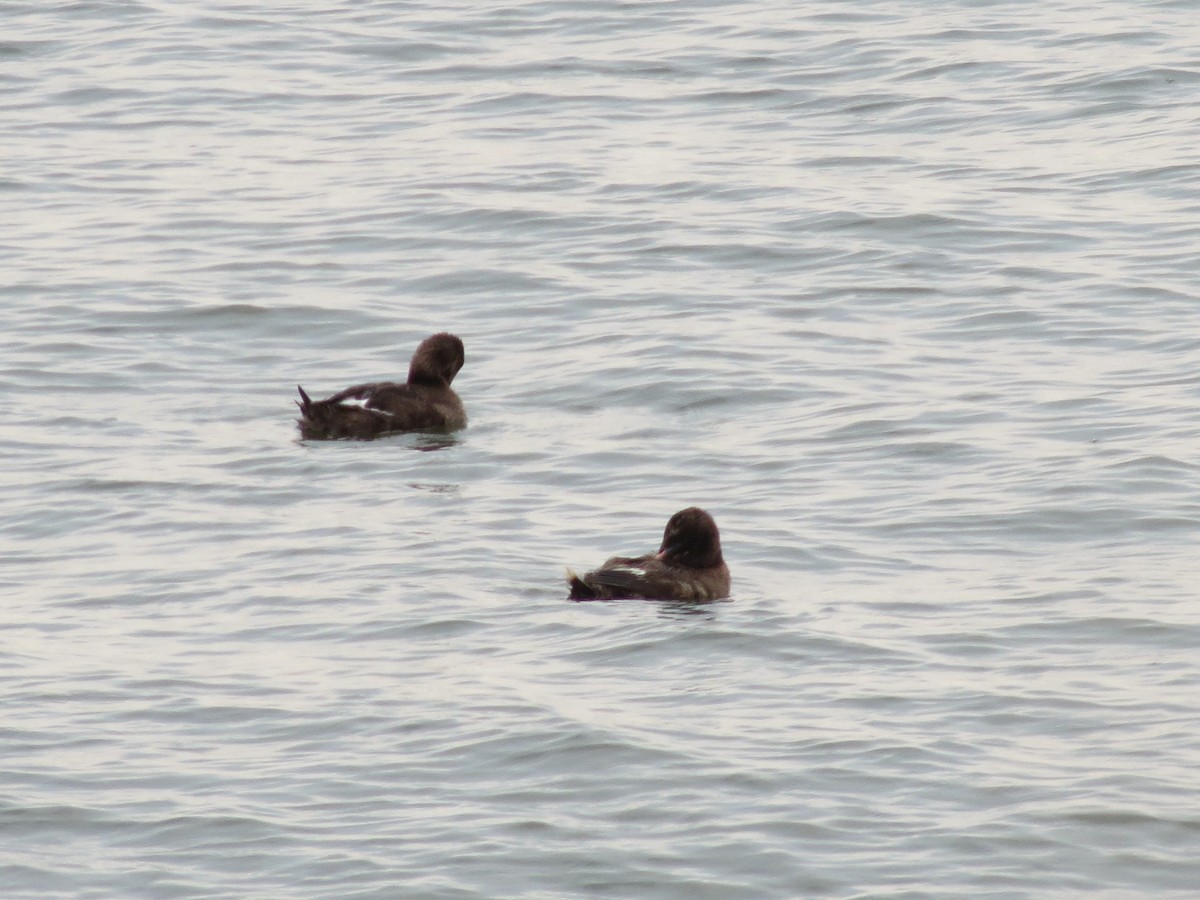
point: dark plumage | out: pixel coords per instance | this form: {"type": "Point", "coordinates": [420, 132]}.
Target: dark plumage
{"type": "Point", "coordinates": [425, 402]}
{"type": "Point", "coordinates": [688, 566]}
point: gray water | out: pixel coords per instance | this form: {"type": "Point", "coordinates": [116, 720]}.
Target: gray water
{"type": "Point", "coordinates": [905, 295]}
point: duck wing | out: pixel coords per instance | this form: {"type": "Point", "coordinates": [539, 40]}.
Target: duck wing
{"type": "Point", "coordinates": [333, 418]}
{"type": "Point", "coordinates": [649, 578]}
{"type": "Point", "coordinates": [366, 411]}
{"type": "Point", "coordinates": [417, 407]}
{"type": "Point", "coordinates": [622, 576]}
{"type": "Point", "coordinates": [364, 392]}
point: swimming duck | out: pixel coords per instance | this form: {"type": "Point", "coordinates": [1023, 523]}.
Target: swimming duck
{"type": "Point", "coordinates": [425, 402]}
{"type": "Point", "coordinates": [688, 566]}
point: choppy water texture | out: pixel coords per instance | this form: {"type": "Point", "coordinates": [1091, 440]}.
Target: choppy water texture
{"type": "Point", "coordinates": [905, 295]}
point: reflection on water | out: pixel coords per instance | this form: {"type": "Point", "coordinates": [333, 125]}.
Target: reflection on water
{"type": "Point", "coordinates": [422, 441]}
{"type": "Point", "coordinates": [671, 609]}
{"type": "Point", "coordinates": [688, 609]}
{"type": "Point", "coordinates": [433, 442]}
{"type": "Point", "coordinates": [436, 488]}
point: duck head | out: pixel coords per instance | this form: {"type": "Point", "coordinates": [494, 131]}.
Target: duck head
{"type": "Point", "coordinates": [437, 360]}
{"type": "Point", "coordinates": [691, 539]}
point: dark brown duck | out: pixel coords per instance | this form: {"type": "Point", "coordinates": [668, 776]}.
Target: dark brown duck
{"type": "Point", "coordinates": [688, 566]}
{"type": "Point", "coordinates": [426, 402]}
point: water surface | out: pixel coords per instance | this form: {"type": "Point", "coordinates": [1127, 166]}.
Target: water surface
{"type": "Point", "coordinates": [905, 296]}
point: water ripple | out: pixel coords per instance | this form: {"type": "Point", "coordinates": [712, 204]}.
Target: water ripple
{"type": "Point", "coordinates": [906, 302]}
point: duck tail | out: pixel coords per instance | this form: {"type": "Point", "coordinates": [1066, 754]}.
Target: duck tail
{"type": "Point", "coordinates": [313, 421]}
{"type": "Point", "coordinates": [580, 589]}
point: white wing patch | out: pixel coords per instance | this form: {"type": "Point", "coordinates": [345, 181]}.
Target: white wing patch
{"type": "Point", "coordinates": [361, 403]}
